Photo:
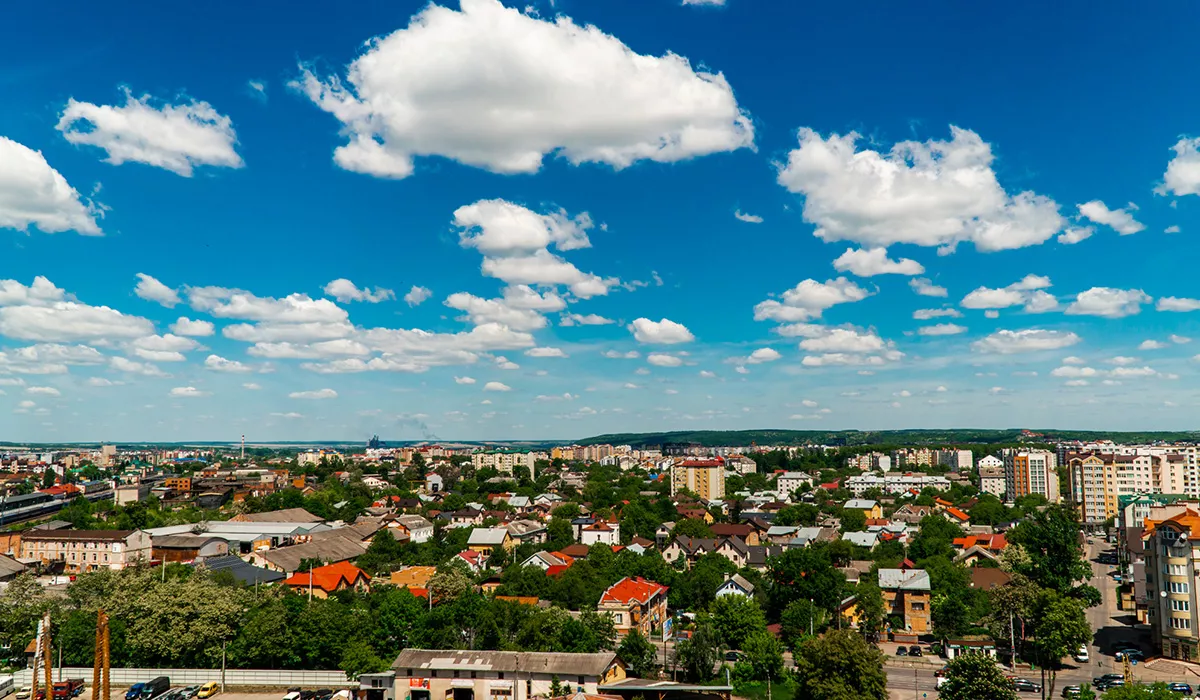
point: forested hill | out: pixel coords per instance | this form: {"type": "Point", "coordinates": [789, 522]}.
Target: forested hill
{"type": "Point", "coordinates": [881, 437]}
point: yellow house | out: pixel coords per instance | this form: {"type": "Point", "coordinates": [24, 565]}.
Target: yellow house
{"type": "Point", "coordinates": [486, 539]}
{"type": "Point", "coordinates": [871, 509]}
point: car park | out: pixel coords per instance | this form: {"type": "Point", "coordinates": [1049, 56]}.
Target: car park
{"type": "Point", "coordinates": [189, 692]}
{"type": "Point", "coordinates": [914, 650]}
{"type": "Point", "coordinates": [901, 651]}
{"type": "Point", "coordinates": [208, 690]}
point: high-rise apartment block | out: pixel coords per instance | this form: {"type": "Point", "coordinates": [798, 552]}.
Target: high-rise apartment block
{"type": "Point", "coordinates": [703, 477]}
{"type": "Point", "coordinates": [1030, 472]}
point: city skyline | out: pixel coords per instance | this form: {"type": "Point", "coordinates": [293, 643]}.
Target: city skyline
{"type": "Point", "coordinates": [483, 221]}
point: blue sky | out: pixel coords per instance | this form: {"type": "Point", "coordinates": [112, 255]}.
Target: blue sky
{"type": "Point", "coordinates": [555, 220]}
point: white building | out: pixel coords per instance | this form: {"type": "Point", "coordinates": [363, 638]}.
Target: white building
{"type": "Point", "coordinates": [991, 479]}
{"type": "Point", "coordinates": [895, 483]}
{"type": "Point", "coordinates": [600, 532]}
{"type": "Point", "coordinates": [1029, 472]}
{"type": "Point", "coordinates": [788, 482]}
{"type": "Point", "coordinates": [507, 463]}
{"type": "Point", "coordinates": [956, 460]}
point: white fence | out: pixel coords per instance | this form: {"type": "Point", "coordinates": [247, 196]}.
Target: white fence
{"type": "Point", "coordinates": [120, 677]}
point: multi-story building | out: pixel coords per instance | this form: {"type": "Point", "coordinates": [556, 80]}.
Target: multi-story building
{"type": "Point", "coordinates": [906, 593]}
{"type": "Point", "coordinates": [87, 550]}
{"type": "Point", "coordinates": [912, 457]}
{"type": "Point", "coordinates": [895, 483]}
{"type": "Point", "coordinates": [991, 480]}
{"type": "Point", "coordinates": [956, 460]}
{"type": "Point", "coordinates": [703, 477]}
{"type": "Point", "coordinates": [789, 482]}
{"type": "Point", "coordinates": [1172, 563]}
{"type": "Point", "coordinates": [1029, 472]}
{"type": "Point", "coordinates": [507, 463]}
{"type": "Point", "coordinates": [420, 674]}
{"type": "Point", "coordinates": [635, 604]}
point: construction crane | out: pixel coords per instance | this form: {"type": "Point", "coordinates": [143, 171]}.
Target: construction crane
{"type": "Point", "coordinates": [102, 663]}
{"type": "Point", "coordinates": [42, 660]}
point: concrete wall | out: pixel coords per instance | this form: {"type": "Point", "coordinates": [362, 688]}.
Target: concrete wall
{"type": "Point", "coordinates": [120, 677]}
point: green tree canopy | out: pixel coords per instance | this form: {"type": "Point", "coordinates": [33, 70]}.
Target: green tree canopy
{"type": "Point", "coordinates": [1050, 540]}
{"type": "Point", "coordinates": [840, 666]}
{"type": "Point", "coordinates": [639, 655]}
{"type": "Point", "coordinates": [975, 677]}
{"type": "Point", "coordinates": [735, 618]}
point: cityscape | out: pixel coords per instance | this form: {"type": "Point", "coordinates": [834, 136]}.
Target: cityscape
{"type": "Point", "coordinates": [622, 350]}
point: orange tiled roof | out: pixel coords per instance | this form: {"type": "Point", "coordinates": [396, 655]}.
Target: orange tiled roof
{"type": "Point", "coordinates": [958, 514]}
{"type": "Point", "coordinates": [328, 577]}
{"type": "Point", "coordinates": [632, 589]}
{"type": "Point", "coordinates": [1189, 520]}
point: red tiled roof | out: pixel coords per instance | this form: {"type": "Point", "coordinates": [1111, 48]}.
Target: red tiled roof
{"type": "Point", "coordinates": [992, 542]}
{"type": "Point", "coordinates": [328, 577]}
{"type": "Point", "coordinates": [557, 569]}
{"type": "Point", "coordinates": [958, 514]}
{"type": "Point", "coordinates": [632, 589]}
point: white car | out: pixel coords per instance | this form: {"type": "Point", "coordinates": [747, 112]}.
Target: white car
{"type": "Point", "coordinates": [1081, 656]}
{"type": "Point", "coordinates": [24, 693]}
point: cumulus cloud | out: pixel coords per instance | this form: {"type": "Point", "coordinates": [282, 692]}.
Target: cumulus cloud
{"type": "Point", "coordinates": [1120, 220]}
{"type": "Point", "coordinates": [1183, 171]}
{"type": "Point", "coordinates": [748, 218]}
{"type": "Point", "coordinates": [217, 363]}
{"type": "Point", "coordinates": [809, 299]}
{"type": "Point", "coordinates": [1179, 339]}
{"type": "Point", "coordinates": [664, 332]}
{"type": "Point", "coordinates": [1026, 292]}
{"type": "Point", "coordinates": [927, 314]}
{"type": "Point", "coordinates": [417, 295]}
{"type": "Point", "coordinates": [464, 380]}
{"type": "Point", "coordinates": [927, 288]}
{"type": "Point", "coordinates": [496, 386]}
{"type": "Point", "coordinates": [34, 194]}
{"type": "Point", "coordinates": [251, 386]}
{"type": "Point", "coordinates": [43, 312]}
{"type": "Point", "coordinates": [1108, 302]}
{"type": "Point", "coordinates": [239, 304]}
{"type": "Point", "coordinates": [151, 289]}
{"type": "Point", "coordinates": [521, 308]}
{"type": "Point", "coordinates": [187, 392]}
{"type": "Point", "coordinates": [346, 291]}
{"type": "Point", "coordinates": [1171, 229]}
{"type": "Point", "coordinates": [843, 346]}
{"type": "Point", "coordinates": [762, 355]}
{"type": "Point", "coordinates": [42, 391]}
{"type": "Point", "coordinates": [942, 329]}
{"type": "Point", "coordinates": [1152, 345]}
{"type": "Point", "coordinates": [584, 320]}
{"type": "Point", "coordinates": [618, 355]}
{"type": "Point", "coordinates": [196, 329]}
{"type": "Point", "coordinates": [317, 394]}
{"type": "Point", "coordinates": [1075, 234]}
{"type": "Point", "coordinates": [174, 137]}
{"type": "Point", "coordinates": [868, 262]}
{"type": "Point", "coordinates": [931, 193]}
{"type": "Point", "coordinates": [1007, 342]}
{"type": "Point", "coordinates": [1181, 304]}
{"type": "Point", "coordinates": [122, 364]}
{"type": "Point", "coordinates": [499, 89]}
{"type": "Point", "coordinates": [545, 352]}
{"type": "Point", "coordinates": [707, 374]}
{"type": "Point", "coordinates": [162, 348]}
{"type": "Point", "coordinates": [661, 359]}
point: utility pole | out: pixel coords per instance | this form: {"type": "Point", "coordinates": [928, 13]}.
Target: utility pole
{"type": "Point", "coordinates": [1012, 644]}
{"type": "Point", "coordinates": [222, 667]}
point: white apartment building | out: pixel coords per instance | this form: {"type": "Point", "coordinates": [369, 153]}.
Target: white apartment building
{"type": "Point", "coordinates": [86, 550]}
{"type": "Point", "coordinates": [956, 460]}
{"type": "Point", "coordinates": [507, 462]}
{"type": "Point", "coordinates": [1028, 472]}
{"type": "Point", "coordinates": [895, 483]}
{"type": "Point", "coordinates": [991, 479]}
{"type": "Point", "coordinates": [741, 465]}
{"type": "Point", "coordinates": [788, 482]}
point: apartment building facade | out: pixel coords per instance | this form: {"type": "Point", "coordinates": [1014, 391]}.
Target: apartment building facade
{"type": "Point", "coordinates": [1030, 472]}
{"type": "Point", "coordinates": [1172, 561]}
{"type": "Point", "coordinates": [1099, 480]}
{"type": "Point", "coordinates": [991, 480]}
{"type": "Point", "coordinates": [87, 550]}
{"type": "Point", "coordinates": [508, 463]}
{"type": "Point", "coordinates": [703, 477]}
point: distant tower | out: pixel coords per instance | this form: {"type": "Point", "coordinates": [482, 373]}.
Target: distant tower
{"type": "Point", "coordinates": [243, 448]}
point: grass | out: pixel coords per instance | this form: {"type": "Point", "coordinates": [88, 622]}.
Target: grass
{"type": "Point", "coordinates": [783, 690]}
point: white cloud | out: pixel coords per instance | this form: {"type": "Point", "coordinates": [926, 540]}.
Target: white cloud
{"type": "Point", "coordinates": [942, 329]}
{"type": "Point", "coordinates": [508, 311]}
{"type": "Point", "coordinates": [927, 314]}
{"type": "Point", "coordinates": [707, 374]}
{"type": "Point", "coordinates": [584, 320]}
{"type": "Point", "coordinates": [844, 340]}
{"type": "Point", "coordinates": [1026, 291]}
{"type": "Point", "coordinates": [43, 312]}
{"type": "Point", "coordinates": [1073, 371]}
{"type": "Point", "coordinates": [762, 355]}
{"type": "Point", "coordinates": [506, 364]}
{"type": "Point", "coordinates": [1073, 360]}
{"type": "Point", "coordinates": [1108, 302]}
{"type": "Point", "coordinates": [1122, 360]}
{"type": "Point", "coordinates": [34, 194]}
{"type": "Point", "coordinates": [1120, 220]}
{"type": "Point", "coordinates": [188, 327]}
{"type": "Point", "coordinates": [618, 355]}
{"type": "Point", "coordinates": [235, 303]}
{"type": "Point", "coordinates": [314, 395]}
{"type": "Point", "coordinates": [1177, 304]}
{"type": "Point", "coordinates": [151, 289]}
{"type": "Point", "coordinates": [174, 137]}
{"type": "Point", "coordinates": [1179, 339]}
{"type": "Point", "coordinates": [997, 390]}
{"type": "Point", "coordinates": [931, 193]}
{"type": "Point", "coordinates": [128, 366]}
{"type": "Point", "coordinates": [1075, 234]}
{"type": "Point", "coordinates": [991, 313]}
{"type": "Point", "coordinates": [251, 386]}
{"type": "Point", "coordinates": [187, 392]}
{"type": "Point", "coordinates": [417, 295]}
{"type": "Point", "coordinates": [1030, 340]}
{"type": "Point", "coordinates": [748, 218]}
{"type": "Point", "coordinates": [842, 346]}
{"type": "Point", "coordinates": [464, 380]}
{"type": "Point", "coordinates": [660, 359]}
{"type": "Point", "coordinates": [664, 332]}
{"type": "Point", "coordinates": [545, 352]}
{"type": "Point", "coordinates": [1171, 229]}
{"type": "Point", "coordinates": [257, 89]}
{"type": "Point", "coordinates": [927, 288]}
{"type": "Point", "coordinates": [346, 291]}
{"type": "Point", "coordinates": [495, 88]}
{"type": "Point", "coordinates": [496, 386]}
{"type": "Point", "coordinates": [809, 299]}
{"type": "Point", "coordinates": [42, 391]}
{"type": "Point", "coordinates": [163, 348]}
{"type": "Point", "coordinates": [1076, 382]}
{"type": "Point", "coordinates": [868, 262]}
{"type": "Point", "coordinates": [1183, 171]}
{"type": "Point", "coordinates": [717, 3]}
{"type": "Point", "coordinates": [217, 363]}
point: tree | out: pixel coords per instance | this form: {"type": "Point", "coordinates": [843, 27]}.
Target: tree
{"type": "Point", "coordinates": [639, 655]}
{"type": "Point", "coordinates": [384, 552]}
{"type": "Point", "coordinates": [1050, 540]}
{"type": "Point", "coordinates": [736, 618]}
{"type": "Point", "coordinates": [840, 666]}
{"type": "Point", "coordinates": [807, 573]}
{"type": "Point", "coordinates": [871, 611]}
{"type": "Point", "coordinates": [798, 618]}
{"type": "Point", "coordinates": [699, 654]}
{"type": "Point", "coordinates": [1060, 627]}
{"type": "Point", "coordinates": [761, 659]}
{"type": "Point", "coordinates": [692, 527]}
{"type": "Point", "coordinates": [448, 583]}
{"type": "Point", "coordinates": [1138, 691]}
{"type": "Point", "coordinates": [360, 658]}
{"type": "Point", "coordinates": [935, 536]}
{"type": "Point", "coordinates": [853, 520]}
{"type": "Point", "coordinates": [800, 514]}
{"type": "Point", "coordinates": [975, 677]}
{"type": "Point", "coordinates": [48, 478]}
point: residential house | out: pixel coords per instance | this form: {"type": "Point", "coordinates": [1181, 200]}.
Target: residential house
{"type": "Point", "coordinates": [869, 508]}
{"type": "Point", "coordinates": [527, 532]}
{"type": "Point", "coordinates": [906, 593]}
{"type": "Point", "coordinates": [862, 539]}
{"type": "Point", "coordinates": [601, 532]}
{"type": "Point", "coordinates": [324, 581]}
{"type": "Point", "coordinates": [486, 539]}
{"type": "Point", "coordinates": [474, 561]}
{"type": "Point", "coordinates": [635, 603]}
{"type": "Point", "coordinates": [735, 585]}
{"type": "Point", "coordinates": [957, 517]}
{"type": "Point", "coordinates": [744, 531]}
{"type": "Point", "coordinates": [499, 675]}
{"type": "Point", "coordinates": [416, 527]}
{"type": "Point", "coordinates": [546, 560]}
{"type": "Point", "coordinates": [789, 482]}
{"type": "Point", "coordinates": [911, 513]}
{"type": "Point", "coordinates": [414, 578]}
{"type": "Point", "coordinates": [86, 550]}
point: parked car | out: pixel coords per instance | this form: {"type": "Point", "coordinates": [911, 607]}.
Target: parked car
{"type": "Point", "coordinates": [1131, 654]}
{"type": "Point", "coordinates": [65, 690]}
{"type": "Point", "coordinates": [189, 692]}
{"type": "Point", "coordinates": [1105, 683]}
{"type": "Point", "coordinates": [1081, 656]}
{"type": "Point", "coordinates": [731, 655]}
{"type": "Point", "coordinates": [24, 693]}
{"type": "Point", "coordinates": [323, 694]}
{"type": "Point", "coordinates": [155, 687]}
{"type": "Point", "coordinates": [1072, 691]}
{"type": "Point", "coordinates": [208, 690]}
{"type": "Point", "coordinates": [914, 650]}
{"type": "Point", "coordinates": [135, 691]}
{"type": "Point", "coordinates": [901, 651]}
{"type": "Point", "coordinates": [1180, 688]}
{"type": "Point", "coordinates": [1026, 686]}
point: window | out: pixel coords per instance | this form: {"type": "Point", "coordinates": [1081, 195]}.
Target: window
{"type": "Point", "coordinates": [918, 606]}
{"type": "Point", "coordinates": [1174, 587]}
{"type": "Point", "coordinates": [1180, 605]}
{"type": "Point", "coordinates": [1181, 623]}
